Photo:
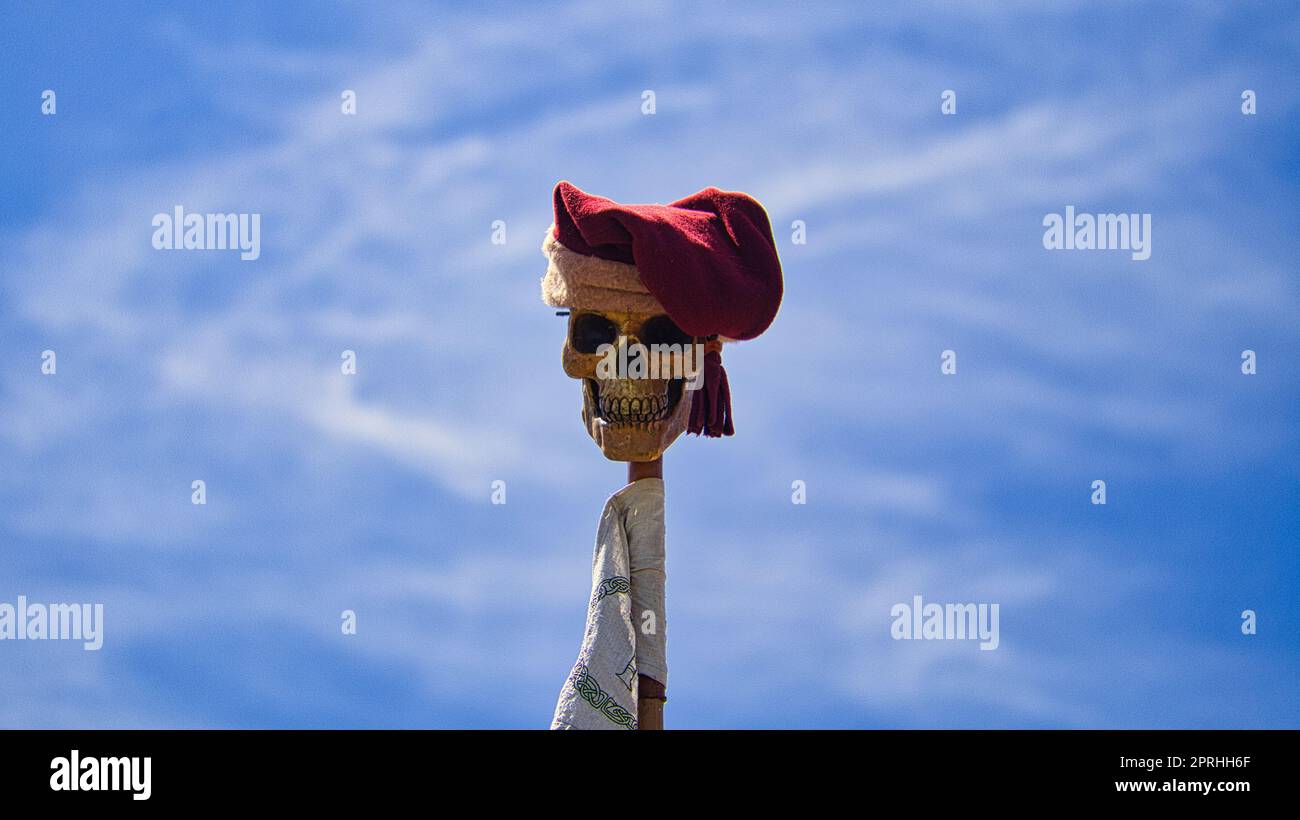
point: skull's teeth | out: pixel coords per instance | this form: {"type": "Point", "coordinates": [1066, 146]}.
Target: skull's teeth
{"type": "Point", "coordinates": [641, 411]}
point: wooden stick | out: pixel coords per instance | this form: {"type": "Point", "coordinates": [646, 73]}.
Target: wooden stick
{"type": "Point", "coordinates": [650, 692]}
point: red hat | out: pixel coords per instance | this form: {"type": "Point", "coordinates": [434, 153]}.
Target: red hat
{"type": "Point", "coordinates": [708, 260]}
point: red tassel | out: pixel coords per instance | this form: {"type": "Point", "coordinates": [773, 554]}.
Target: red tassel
{"type": "Point", "coordinates": [711, 403]}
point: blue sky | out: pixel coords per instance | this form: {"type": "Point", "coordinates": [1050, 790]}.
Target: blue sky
{"type": "Point", "coordinates": [371, 492]}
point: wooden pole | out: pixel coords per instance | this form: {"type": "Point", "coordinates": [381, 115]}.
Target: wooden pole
{"type": "Point", "coordinates": [650, 692]}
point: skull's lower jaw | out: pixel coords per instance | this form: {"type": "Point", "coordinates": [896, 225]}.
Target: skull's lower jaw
{"type": "Point", "coordinates": [626, 432]}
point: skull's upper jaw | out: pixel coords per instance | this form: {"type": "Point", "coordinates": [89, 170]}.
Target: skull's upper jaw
{"type": "Point", "coordinates": [652, 405]}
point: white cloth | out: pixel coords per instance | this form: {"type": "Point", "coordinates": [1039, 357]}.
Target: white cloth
{"type": "Point", "coordinates": [626, 632]}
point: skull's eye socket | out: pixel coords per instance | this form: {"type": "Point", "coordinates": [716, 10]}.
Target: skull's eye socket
{"type": "Point", "coordinates": [591, 330]}
{"type": "Point", "coordinates": [660, 330]}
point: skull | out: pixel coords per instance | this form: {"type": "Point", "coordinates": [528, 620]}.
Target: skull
{"type": "Point", "coordinates": [631, 415]}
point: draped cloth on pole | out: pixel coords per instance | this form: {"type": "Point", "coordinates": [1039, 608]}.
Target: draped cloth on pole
{"type": "Point", "coordinates": [626, 632]}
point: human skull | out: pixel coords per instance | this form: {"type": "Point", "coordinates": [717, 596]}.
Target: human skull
{"type": "Point", "coordinates": [631, 415]}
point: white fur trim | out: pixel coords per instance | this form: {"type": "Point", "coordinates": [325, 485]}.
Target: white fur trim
{"type": "Point", "coordinates": [574, 280]}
